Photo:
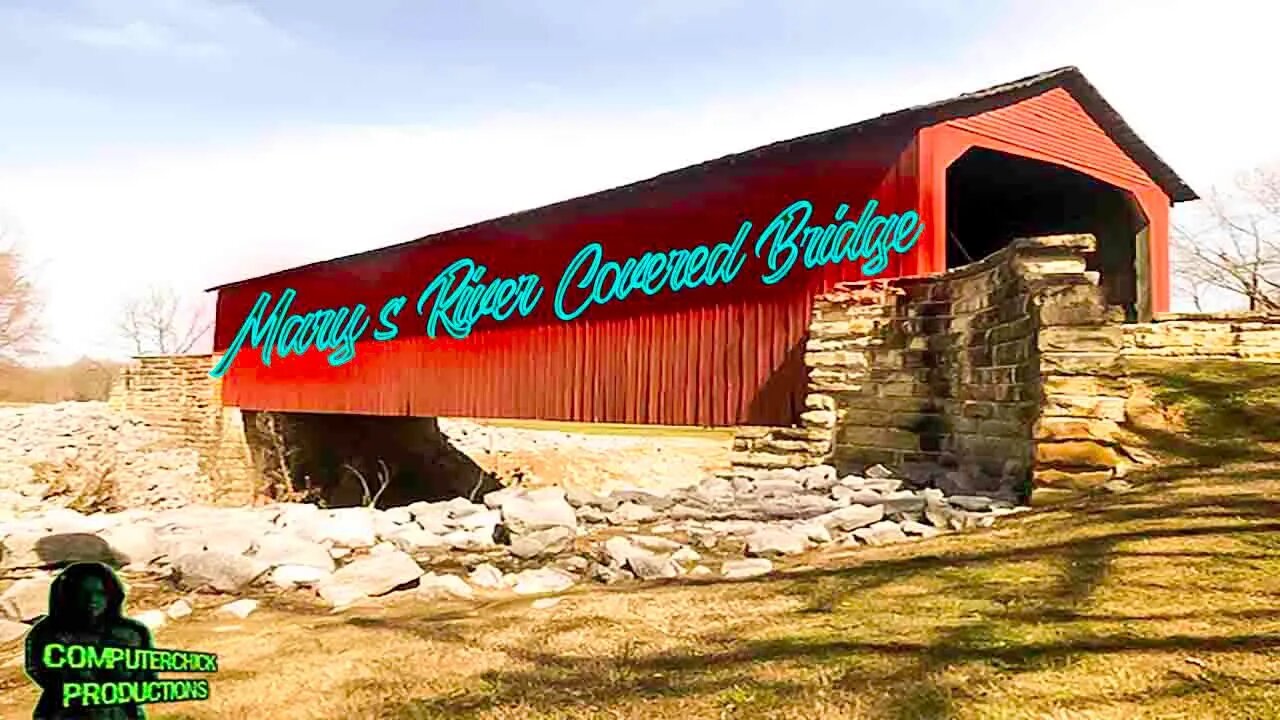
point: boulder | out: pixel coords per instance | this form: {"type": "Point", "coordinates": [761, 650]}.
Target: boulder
{"type": "Point", "coordinates": [413, 539]}
{"type": "Point", "coordinates": [654, 544]}
{"type": "Point", "coordinates": [851, 518]}
{"type": "Point", "coordinates": [903, 501]}
{"type": "Point", "coordinates": [239, 609]}
{"type": "Point", "coordinates": [543, 580]}
{"type": "Point", "coordinates": [884, 532]}
{"type": "Point", "coordinates": [792, 507]}
{"type": "Point", "coordinates": [479, 519]}
{"type": "Point", "coordinates": [524, 515]}
{"type": "Point", "coordinates": [618, 550]}
{"type": "Point", "coordinates": [470, 539]}
{"type": "Point", "coordinates": [751, 567]}
{"type": "Point", "coordinates": [214, 570]}
{"type": "Point", "coordinates": [369, 576]}
{"type": "Point", "coordinates": [652, 500]}
{"type": "Point", "coordinates": [135, 543]}
{"type": "Point", "coordinates": [178, 609]}
{"type": "Point", "coordinates": [686, 556]}
{"type": "Point", "coordinates": [775, 487]}
{"type": "Point", "coordinates": [818, 478]}
{"type": "Point", "coordinates": [291, 576]}
{"type": "Point", "coordinates": [629, 513]}
{"type": "Point", "coordinates": [976, 503]}
{"type": "Point", "coordinates": [651, 566]}
{"type": "Point", "coordinates": [437, 587]}
{"type": "Point", "coordinates": [498, 498]}
{"type": "Point", "coordinates": [486, 576]}
{"type": "Point", "coordinates": [878, 472]}
{"type": "Point", "coordinates": [550, 541]}
{"type": "Point", "coordinates": [911, 527]}
{"type": "Point", "coordinates": [278, 549]}
{"type": "Point", "coordinates": [343, 527]}
{"type": "Point", "coordinates": [40, 549]}
{"type": "Point", "coordinates": [27, 599]}
{"type": "Point", "coordinates": [815, 532]}
{"type": "Point", "coordinates": [398, 515]}
{"type": "Point", "coordinates": [771, 541]}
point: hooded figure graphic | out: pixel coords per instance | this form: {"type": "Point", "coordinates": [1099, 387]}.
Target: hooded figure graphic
{"type": "Point", "coordinates": [86, 602]}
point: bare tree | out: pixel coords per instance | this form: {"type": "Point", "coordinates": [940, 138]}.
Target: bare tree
{"type": "Point", "coordinates": [159, 323]}
{"type": "Point", "coordinates": [1236, 249]}
{"type": "Point", "coordinates": [19, 304]}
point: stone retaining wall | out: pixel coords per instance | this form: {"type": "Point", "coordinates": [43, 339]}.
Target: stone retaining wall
{"type": "Point", "coordinates": [1004, 374]}
{"type": "Point", "coordinates": [176, 395]}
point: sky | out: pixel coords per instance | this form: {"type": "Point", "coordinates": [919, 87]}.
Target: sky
{"type": "Point", "coordinates": [186, 143]}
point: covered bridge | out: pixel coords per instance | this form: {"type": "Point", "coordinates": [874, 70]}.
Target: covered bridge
{"type": "Point", "coordinates": [1042, 155]}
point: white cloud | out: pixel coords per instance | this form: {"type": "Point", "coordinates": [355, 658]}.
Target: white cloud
{"type": "Point", "coordinates": [140, 36]}
{"type": "Point", "coordinates": [180, 28]}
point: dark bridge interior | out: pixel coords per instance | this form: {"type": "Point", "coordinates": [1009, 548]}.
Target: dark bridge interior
{"type": "Point", "coordinates": [993, 198]}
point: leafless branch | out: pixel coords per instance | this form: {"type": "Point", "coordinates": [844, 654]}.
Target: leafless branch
{"type": "Point", "coordinates": [157, 322]}
{"type": "Point", "coordinates": [1237, 248]}
{"type": "Point", "coordinates": [20, 328]}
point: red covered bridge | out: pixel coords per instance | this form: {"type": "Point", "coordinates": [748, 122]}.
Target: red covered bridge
{"type": "Point", "coordinates": [1042, 155]}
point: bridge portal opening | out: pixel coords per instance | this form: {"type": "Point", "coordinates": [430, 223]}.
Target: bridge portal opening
{"type": "Point", "coordinates": [994, 198]}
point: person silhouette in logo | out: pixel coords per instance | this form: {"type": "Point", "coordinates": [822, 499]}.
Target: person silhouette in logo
{"type": "Point", "coordinates": [86, 603]}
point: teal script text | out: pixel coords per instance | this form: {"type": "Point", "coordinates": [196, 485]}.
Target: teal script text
{"type": "Point", "coordinates": [461, 294]}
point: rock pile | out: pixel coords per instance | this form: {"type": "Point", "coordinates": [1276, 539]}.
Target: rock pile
{"type": "Point", "coordinates": [54, 454]}
{"type": "Point", "coordinates": [526, 542]}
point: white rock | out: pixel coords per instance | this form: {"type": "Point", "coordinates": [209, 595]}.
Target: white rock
{"type": "Point", "coordinates": [343, 527]}
{"type": "Point", "coordinates": [751, 567]}
{"type": "Point", "coordinates": [546, 603]}
{"type": "Point", "coordinates": [815, 532]}
{"type": "Point", "coordinates": [239, 608]}
{"type": "Point", "coordinates": [412, 538]}
{"type": "Point", "coordinates": [538, 511]}
{"type": "Point", "coordinates": [371, 575]}
{"type": "Point", "coordinates": [656, 544]}
{"type": "Point", "coordinates": [398, 515]}
{"type": "Point", "coordinates": [851, 518]}
{"type": "Point", "coordinates": [433, 586]}
{"type": "Point", "coordinates": [486, 576]}
{"type": "Point", "coordinates": [878, 472]}
{"type": "Point", "coordinates": [469, 539]}
{"type": "Point", "coordinates": [178, 609]}
{"type": "Point", "coordinates": [291, 576]}
{"type": "Point", "coordinates": [277, 549]}
{"type": "Point", "coordinates": [912, 527]}
{"type": "Point", "coordinates": [630, 513]}
{"type": "Point", "coordinates": [543, 580]}
{"type": "Point", "coordinates": [686, 555]}
{"type": "Point", "coordinates": [480, 519]}
{"type": "Point", "coordinates": [771, 540]}
{"type": "Point", "coordinates": [884, 532]}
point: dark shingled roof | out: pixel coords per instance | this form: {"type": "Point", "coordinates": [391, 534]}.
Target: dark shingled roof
{"type": "Point", "coordinates": [914, 118]}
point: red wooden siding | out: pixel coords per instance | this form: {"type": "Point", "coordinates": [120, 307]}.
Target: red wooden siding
{"type": "Point", "coordinates": [709, 356]}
